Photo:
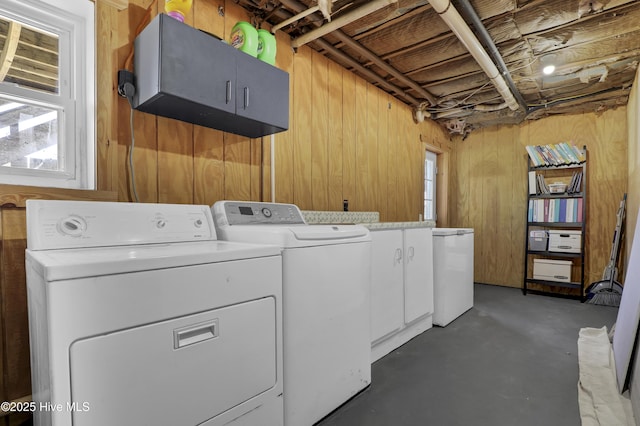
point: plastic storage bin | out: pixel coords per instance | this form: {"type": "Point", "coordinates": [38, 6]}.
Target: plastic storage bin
{"type": "Point", "coordinates": [538, 240]}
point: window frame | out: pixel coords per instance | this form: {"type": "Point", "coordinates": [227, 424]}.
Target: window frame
{"type": "Point", "coordinates": [430, 156]}
{"type": "Point", "coordinates": [73, 22]}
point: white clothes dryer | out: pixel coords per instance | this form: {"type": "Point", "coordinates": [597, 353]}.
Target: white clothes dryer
{"type": "Point", "coordinates": [138, 316]}
{"type": "Point", "coordinates": [326, 302]}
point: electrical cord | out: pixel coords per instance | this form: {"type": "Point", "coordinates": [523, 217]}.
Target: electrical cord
{"type": "Point", "coordinates": [129, 91]}
{"type": "Point", "coordinates": [131, 168]}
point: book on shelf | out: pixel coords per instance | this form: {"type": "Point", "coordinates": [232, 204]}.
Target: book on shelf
{"type": "Point", "coordinates": [575, 186]}
{"type": "Point", "coordinates": [561, 210]}
{"type": "Point", "coordinates": [559, 154]}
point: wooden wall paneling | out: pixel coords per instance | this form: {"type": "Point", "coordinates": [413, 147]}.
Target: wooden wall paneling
{"type": "Point", "coordinates": [302, 106]}
{"type": "Point", "coordinates": [145, 154]}
{"type": "Point", "coordinates": [417, 163]}
{"type": "Point", "coordinates": [237, 167]}
{"type": "Point", "coordinates": [505, 259]}
{"type": "Point", "coordinates": [463, 183]}
{"type": "Point", "coordinates": [208, 144]}
{"type": "Point", "coordinates": [284, 142]}
{"type": "Point", "coordinates": [404, 176]}
{"type": "Point", "coordinates": [633, 164]}
{"type": "Point", "coordinates": [373, 125]}
{"type": "Point", "coordinates": [335, 138]}
{"type": "Point", "coordinates": [606, 179]}
{"type": "Point", "coordinates": [490, 173]}
{"type": "Point", "coordinates": [319, 132]}
{"type": "Point", "coordinates": [106, 97]}
{"type": "Point", "coordinates": [175, 153]}
{"type": "Point", "coordinates": [452, 193]}
{"type": "Point", "coordinates": [257, 172]}
{"type": "Point", "coordinates": [611, 181]}
{"type": "Point", "coordinates": [391, 186]}
{"type": "Point", "coordinates": [518, 189]}
{"type": "Point", "coordinates": [382, 166]}
{"type": "Point", "coordinates": [208, 165]}
{"type": "Point", "coordinates": [349, 163]}
{"type": "Point", "coordinates": [361, 161]}
{"type": "Point", "coordinates": [175, 161]}
{"type": "Point", "coordinates": [476, 204]}
{"type": "Point", "coordinates": [17, 373]}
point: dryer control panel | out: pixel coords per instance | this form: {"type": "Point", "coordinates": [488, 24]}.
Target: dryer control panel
{"type": "Point", "coordinates": [253, 213]}
{"type": "Point", "coordinates": [54, 224]}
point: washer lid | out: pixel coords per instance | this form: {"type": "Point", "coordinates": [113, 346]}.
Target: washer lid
{"type": "Point", "coordinates": [328, 232]}
{"type": "Point", "coordinates": [295, 236]}
{"type": "Point", "coordinates": [55, 265]}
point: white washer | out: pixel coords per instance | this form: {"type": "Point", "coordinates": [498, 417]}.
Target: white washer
{"type": "Point", "coordinates": [326, 299]}
{"type": "Point", "coordinates": [137, 315]}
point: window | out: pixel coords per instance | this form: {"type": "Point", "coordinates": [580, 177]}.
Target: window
{"type": "Point", "coordinates": [47, 100]}
{"type": "Point", "coordinates": [430, 172]}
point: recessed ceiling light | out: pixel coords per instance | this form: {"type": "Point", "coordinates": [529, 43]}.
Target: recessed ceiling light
{"type": "Point", "coordinates": [549, 69]}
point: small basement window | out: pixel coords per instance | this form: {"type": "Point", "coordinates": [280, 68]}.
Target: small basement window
{"type": "Point", "coordinates": [47, 129]}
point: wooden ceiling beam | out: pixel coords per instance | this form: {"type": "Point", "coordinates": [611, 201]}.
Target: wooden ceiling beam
{"type": "Point", "coordinates": [10, 47]}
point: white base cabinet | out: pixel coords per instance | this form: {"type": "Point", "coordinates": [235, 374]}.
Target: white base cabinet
{"type": "Point", "coordinates": [401, 287]}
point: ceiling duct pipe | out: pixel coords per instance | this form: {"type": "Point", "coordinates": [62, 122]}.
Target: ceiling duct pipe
{"type": "Point", "coordinates": [341, 21]}
{"type": "Point", "coordinates": [469, 13]}
{"type": "Point", "coordinates": [452, 18]}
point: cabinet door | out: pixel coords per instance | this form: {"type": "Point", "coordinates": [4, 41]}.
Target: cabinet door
{"type": "Point", "coordinates": [418, 273]}
{"type": "Point", "coordinates": [386, 283]}
{"type": "Point", "coordinates": [262, 92]}
{"type": "Point", "coordinates": [178, 66]}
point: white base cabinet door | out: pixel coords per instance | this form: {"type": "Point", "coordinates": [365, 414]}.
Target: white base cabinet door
{"type": "Point", "coordinates": [418, 273]}
{"type": "Point", "coordinates": [386, 283]}
{"type": "Point", "coordinates": [401, 287]}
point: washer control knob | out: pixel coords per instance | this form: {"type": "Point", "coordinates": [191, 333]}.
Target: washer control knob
{"type": "Point", "coordinates": [266, 212]}
{"type": "Point", "coordinates": [161, 223]}
{"type": "Point", "coordinates": [73, 226]}
{"type": "Point", "coordinates": [198, 223]}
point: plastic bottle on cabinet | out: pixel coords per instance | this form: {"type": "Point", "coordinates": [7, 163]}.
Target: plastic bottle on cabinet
{"type": "Point", "coordinates": [244, 37]}
{"type": "Point", "coordinates": [266, 47]}
{"type": "Point", "coordinates": [177, 9]}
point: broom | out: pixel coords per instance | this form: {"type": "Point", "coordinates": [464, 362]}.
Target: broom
{"type": "Point", "coordinates": [608, 291]}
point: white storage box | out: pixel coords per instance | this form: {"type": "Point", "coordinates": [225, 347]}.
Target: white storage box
{"type": "Point", "coordinates": [552, 270]}
{"type": "Point", "coordinates": [565, 241]}
{"type": "Point", "coordinates": [538, 240]}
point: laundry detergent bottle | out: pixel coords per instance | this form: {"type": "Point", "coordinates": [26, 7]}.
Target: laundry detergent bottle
{"type": "Point", "coordinates": [266, 47]}
{"type": "Point", "coordinates": [244, 37]}
{"type": "Point", "coordinates": [177, 9]}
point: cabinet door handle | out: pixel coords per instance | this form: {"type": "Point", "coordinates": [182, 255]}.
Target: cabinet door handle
{"type": "Point", "coordinates": [228, 98]}
{"type": "Point", "coordinates": [398, 257]}
{"type": "Point", "coordinates": [411, 252]}
{"type": "Point", "coordinates": [246, 97]}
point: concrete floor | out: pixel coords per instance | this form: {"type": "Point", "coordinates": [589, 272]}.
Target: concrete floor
{"type": "Point", "coordinates": [510, 360]}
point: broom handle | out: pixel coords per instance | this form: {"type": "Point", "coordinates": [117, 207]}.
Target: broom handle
{"type": "Point", "coordinates": [616, 242]}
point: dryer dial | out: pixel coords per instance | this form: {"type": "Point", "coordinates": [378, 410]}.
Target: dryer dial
{"type": "Point", "coordinates": [73, 226]}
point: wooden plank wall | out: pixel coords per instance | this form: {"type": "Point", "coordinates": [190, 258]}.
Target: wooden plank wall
{"type": "Point", "coordinates": [488, 189]}
{"type": "Point", "coordinates": [347, 139]}
{"type": "Point", "coordinates": [633, 132]}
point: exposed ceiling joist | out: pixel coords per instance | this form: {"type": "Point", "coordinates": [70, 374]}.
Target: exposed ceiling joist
{"type": "Point", "coordinates": [9, 49]}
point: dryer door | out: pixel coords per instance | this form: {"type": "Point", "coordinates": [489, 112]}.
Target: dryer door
{"type": "Point", "coordinates": [183, 371]}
